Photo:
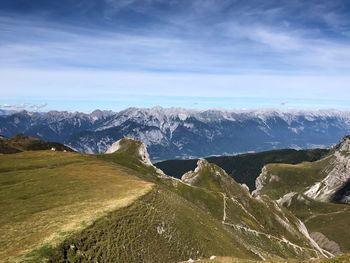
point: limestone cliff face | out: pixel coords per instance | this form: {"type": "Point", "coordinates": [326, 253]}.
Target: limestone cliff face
{"type": "Point", "coordinates": [126, 144]}
{"type": "Point", "coordinates": [344, 144]}
{"type": "Point", "coordinates": [333, 186]}
{"type": "Point", "coordinates": [193, 177]}
{"type": "Point", "coordinates": [338, 176]}
{"type": "Point", "coordinates": [134, 148]}
{"type": "Point", "coordinates": [260, 181]}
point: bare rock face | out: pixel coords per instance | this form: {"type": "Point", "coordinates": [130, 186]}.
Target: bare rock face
{"type": "Point", "coordinates": [192, 177]}
{"type": "Point", "coordinates": [326, 244]}
{"type": "Point", "coordinates": [134, 147]}
{"type": "Point", "coordinates": [260, 181]}
{"type": "Point", "coordinates": [114, 147]}
{"type": "Point", "coordinates": [344, 144]}
{"type": "Point", "coordinates": [338, 176]}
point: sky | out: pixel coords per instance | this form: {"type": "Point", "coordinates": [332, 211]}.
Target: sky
{"type": "Point", "coordinates": [79, 55]}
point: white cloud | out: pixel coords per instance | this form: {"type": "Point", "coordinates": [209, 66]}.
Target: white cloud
{"type": "Point", "coordinates": [22, 106]}
{"type": "Point", "coordinates": [15, 106]}
{"type": "Point", "coordinates": [251, 51]}
{"type": "Point", "coordinates": [37, 107]}
{"type": "Point", "coordinates": [229, 47]}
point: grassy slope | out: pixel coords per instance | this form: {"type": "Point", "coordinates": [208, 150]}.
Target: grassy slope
{"type": "Point", "coordinates": [330, 219]}
{"type": "Point", "coordinates": [161, 227]}
{"type": "Point", "coordinates": [47, 195]}
{"type": "Point", "coordinates": [20, 143]}
{"type": "Point", "coordinates": [244, 168]}
{"type": "Point", "coordinates": [175, 222]}
{"type": "Point", "coordinates": [85, 193]}
{"type": "Point", "coordinates": [294, 178]}
{"type": "Point", "coordinates": [158, 228]}
{"type": "Point", "coordinates": [243, 210]}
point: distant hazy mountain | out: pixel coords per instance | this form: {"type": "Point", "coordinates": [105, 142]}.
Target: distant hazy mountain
{"type": "Point", "coordinates": [183, 133]}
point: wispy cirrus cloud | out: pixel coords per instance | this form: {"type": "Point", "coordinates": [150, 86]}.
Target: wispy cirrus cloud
{"type": "Point", "coordinates": [24, 105]}
{"type": "Point", "coordinates": [228, 45]}
{"type": "Point", "coordinates": [14, 106]}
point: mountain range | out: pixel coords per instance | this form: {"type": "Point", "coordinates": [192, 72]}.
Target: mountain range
{"type": "Point", "coordinates": [177, 133]}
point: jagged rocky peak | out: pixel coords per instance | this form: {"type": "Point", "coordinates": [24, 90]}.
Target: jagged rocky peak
{"type": "Point", "coordinates": [344, 144]}
{"type": "Point", "coordinates": [132, 147]}
{"type": "Point", "coordinates": [331, 188]}
{"type": "Point", "coordinates": [212, 177]}
{"type": "Point", "coordinates": [203, 171]}
{"type": "Point", "coordinates": [193, 177]}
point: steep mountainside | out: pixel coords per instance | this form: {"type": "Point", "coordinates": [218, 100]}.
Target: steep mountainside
{"type": "Point", "coordinates": [142, 216]}
{"type": "Point", "coordinates": [244, 168]}
{"type": "Point", "coordinates": [181, 133]}
{"type": "Point", "coordinates": [20, 143]}
{"type": "Point", "coordinates": [310, 191]}
{"type": "Point", "coordinates": [182, 220]}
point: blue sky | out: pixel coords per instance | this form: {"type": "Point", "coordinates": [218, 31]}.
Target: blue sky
{"type": "Point", "coordinates": [109, 54]}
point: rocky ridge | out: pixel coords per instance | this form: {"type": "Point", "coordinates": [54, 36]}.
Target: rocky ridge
{"type": "Point", "coordinates": [213, 178]}
{"type": "Point", "coordinates": [337, 177]}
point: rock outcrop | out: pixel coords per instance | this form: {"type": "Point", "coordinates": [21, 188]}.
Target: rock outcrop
{"type": "Point", "coordinates": [337, 177]}
{"type": "Point", "coordinates": [136, 149]}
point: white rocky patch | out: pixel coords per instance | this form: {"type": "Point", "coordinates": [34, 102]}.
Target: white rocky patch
{"type": "Point", "coordinates": [302, 228]}
{"type": "Point", "coordinates": [274, 178]}
{"type": "Point", "coordinates": [260, 181]}
{"type": "Point", "coordinates": [161, 228]}
{"type": "Point", "coordinates": [338, 176]}
{"type": "Point", "coordinates": [143, 153]}
{"type": "Point", "coordinates": [325, 243]}
{"type": "Point", "coordinates": [115, 147]}
{"type": "Point", "coordinates": [245, 187]}
{"type": "Point", "coordinates": [192, 177]}
{"type": "Point", "coordinates": [286, 200]}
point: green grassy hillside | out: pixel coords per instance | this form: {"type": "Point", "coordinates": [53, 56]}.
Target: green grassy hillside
{"type": "Point", "coordinates": [288, 183]}
{"type": "Point", "coordinates": [244, 168]}
{"type": "Point", "coordinates": [20, 143]}
{"type": "Point", "coordinates": [46, 195]}
{"type": "Point", "coordinates": [177, 222]}
{"type": "Point", "coordinates": [71, 207]}
{"type": "Point", "coordinates": [281, 179]}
